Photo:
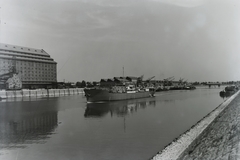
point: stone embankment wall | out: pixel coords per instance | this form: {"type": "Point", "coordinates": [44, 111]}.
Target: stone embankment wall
{"type": "Point", "coordinates": [221, 139]}
{"type": "Point", "coordinates": [40, 93]}
{"type": "Point", "coordinates": [176, 149]}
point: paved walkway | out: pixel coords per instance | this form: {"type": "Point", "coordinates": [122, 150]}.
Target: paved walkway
{"type": "Point", "coordinates": [221, 139]}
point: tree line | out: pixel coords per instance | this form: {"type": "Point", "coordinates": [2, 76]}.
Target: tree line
{"type": "Point", "coordinates": [86, 84]}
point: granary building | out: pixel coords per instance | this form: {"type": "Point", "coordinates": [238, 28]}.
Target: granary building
{"type": "Point", "coordinates": [35, 67]}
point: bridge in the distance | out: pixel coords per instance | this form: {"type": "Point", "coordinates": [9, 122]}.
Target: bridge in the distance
{"type": "Point", "coordinates": [213, 84]}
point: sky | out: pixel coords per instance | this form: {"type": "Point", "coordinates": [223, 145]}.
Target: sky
{"type": "Point", "coordinates": [198, 40]}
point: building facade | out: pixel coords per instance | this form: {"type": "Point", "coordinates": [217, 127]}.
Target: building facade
{"type": "Point", "coordinates": [34, 66]}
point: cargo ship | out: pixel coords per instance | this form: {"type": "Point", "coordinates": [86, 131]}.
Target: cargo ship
{"type": "Point", "coordinates": [119, 88]}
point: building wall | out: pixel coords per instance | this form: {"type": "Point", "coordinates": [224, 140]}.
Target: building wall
{"type": "Point", "coordinates": [35, 67]}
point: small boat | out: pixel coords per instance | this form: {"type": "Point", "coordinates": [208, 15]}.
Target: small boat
{"type": "Point", "coordinates": [191, 87]}
{"type": "Point", "coordinates": [228, 91]}
{"type": "Point", "coordinates": [231, 88]}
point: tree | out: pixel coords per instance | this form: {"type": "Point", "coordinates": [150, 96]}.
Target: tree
{"type": "Point", "coordinates": [79, 84]}
{"type": "Point", "coordinates": [83, 84]}
{"type": "Point", "coordinates": [94, 83]}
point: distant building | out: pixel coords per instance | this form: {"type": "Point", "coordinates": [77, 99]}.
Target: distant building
{"type": "Point", "coordinates": [35, 66]}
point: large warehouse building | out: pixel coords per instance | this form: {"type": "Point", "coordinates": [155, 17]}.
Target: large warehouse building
{"type": "Point", "coordinates": [35, 67]}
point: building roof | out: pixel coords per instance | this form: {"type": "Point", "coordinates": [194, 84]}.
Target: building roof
{"type": "Point", "coordinates": [27, 59]}
{"type": "Point", "coordinates": [16, 48]}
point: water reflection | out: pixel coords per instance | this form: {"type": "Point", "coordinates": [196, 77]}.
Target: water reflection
{"type": "Point", "coordinates": [17, 99]}
{"type": "Point", "coordinates": [21, 125]}
{"type": "Point", "coordinates": [119, 108]}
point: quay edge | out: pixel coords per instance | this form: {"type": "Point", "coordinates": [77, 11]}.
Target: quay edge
{"type": "Point", "coordinates": [40, 93]}
{"type": "Point", "coordinates": [175, 149]}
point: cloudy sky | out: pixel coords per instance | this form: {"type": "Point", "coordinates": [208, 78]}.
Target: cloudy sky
{"type": "Point", "coordinates": [198, 40]}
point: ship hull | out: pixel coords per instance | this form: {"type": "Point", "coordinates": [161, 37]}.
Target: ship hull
{"type": "Point", "coordinates": [98, 95]}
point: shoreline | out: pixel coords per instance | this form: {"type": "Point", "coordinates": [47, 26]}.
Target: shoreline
{"type": "Point", "coordinates": [176, 148]}
{"type": "Point", "coordinates": [40, 93]}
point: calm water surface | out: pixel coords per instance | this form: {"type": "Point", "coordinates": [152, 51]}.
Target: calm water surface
{"type": "Point", "coordinates": [66, 128]}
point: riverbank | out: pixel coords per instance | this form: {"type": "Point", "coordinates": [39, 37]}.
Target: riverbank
{"type": "Point", "coordinates": [204, 140]}
{"type": "Point", "coordinates": [40, 93]}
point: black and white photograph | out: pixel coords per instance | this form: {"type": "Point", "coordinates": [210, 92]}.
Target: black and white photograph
{"type": "Point", "coordinates": [119, 80]}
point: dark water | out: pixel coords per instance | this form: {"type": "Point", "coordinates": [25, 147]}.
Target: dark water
{"type": "Point", "coordinates": [66, 128]}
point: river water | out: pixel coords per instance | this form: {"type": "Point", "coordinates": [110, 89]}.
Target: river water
{"type": "Point", "coordinates": [67, 128]}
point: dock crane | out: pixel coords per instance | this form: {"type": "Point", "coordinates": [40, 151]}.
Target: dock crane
{"type": "Point", "coordinates": [149, 79]}
{"type": "Point", "coordinates": [147, 82]}
{"type": "Point", "coordinates": [140, 78]}
{"type": "Point", "coordinates": [180, 81]}
{"type": "Point", "coordinates": [168, 81]}
{"type": "Point", "coordinates": [185, 82]}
